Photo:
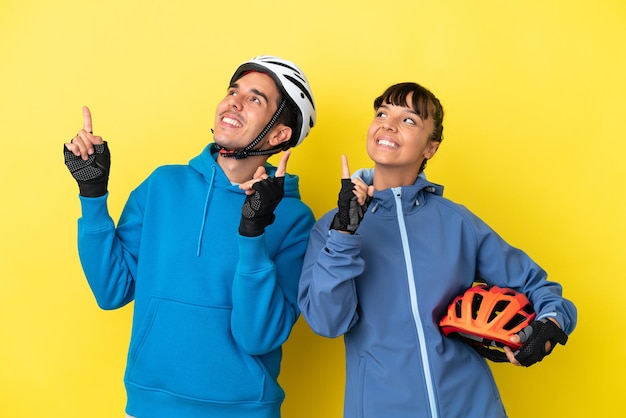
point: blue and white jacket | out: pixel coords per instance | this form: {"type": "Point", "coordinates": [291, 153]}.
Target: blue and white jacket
{"type": "Point", "coordinates": [211, 307]}
{"type": "Point", "coordinates": [385, 289]}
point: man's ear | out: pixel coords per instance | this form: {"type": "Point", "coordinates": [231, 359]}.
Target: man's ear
{"type": "Point", "coordinates": [280, 134]}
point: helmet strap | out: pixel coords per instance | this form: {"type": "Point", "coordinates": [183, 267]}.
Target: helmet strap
{"type": "Point", "coordinates": [247, 151]}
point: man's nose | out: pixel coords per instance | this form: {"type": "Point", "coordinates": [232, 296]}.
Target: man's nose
{"type": "Point", "coordinates": [235, 102]}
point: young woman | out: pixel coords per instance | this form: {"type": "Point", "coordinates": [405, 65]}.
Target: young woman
{"type": "Point", "coordinates": [383, 267]}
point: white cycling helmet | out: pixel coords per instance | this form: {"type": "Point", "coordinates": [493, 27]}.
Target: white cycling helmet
{"type": "Point", "coordinates": [293, 85]}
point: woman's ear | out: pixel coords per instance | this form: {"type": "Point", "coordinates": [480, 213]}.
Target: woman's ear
{"type": "Point", "coordinates": [280, 134]}
{"type": "Point", "coordinates": [431, 150]}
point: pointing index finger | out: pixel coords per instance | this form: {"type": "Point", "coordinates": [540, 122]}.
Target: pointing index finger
{"type": "Point", "coordinates": [345, 170]}
{"type": "Point", "coordinates": [282, 166]}
{"type": "Point", "coordinates": [87, 126]}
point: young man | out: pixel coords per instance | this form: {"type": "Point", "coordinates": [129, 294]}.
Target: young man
{"type": "Point", "coordinates": [210, 252]}
{"type": "Point", "coordinates": [382, 269]}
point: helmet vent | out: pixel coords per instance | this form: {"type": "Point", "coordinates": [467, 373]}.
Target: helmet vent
{"type": "Point", "coordinates": [497, 310]}
{"type": "Point", "coordinates": [514, 322]}
{"type": "Point", "coordinates": [476, 301]}
{"type": "Point", "coordinates": [282, 64]}
{"type": "Point", "coordinates": [457, 308]}
{"type": "Point", "coordinates": [303, 90]}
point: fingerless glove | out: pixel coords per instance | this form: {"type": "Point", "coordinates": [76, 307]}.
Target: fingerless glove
{"type": "Point", "coordinates": [258, 209]}
{"type": "Point", "coordinates": [536, 335]}
{"type": "Point", "coordinates": [92, 175]}
{"type": "Point", "coordinates": [349, 214]}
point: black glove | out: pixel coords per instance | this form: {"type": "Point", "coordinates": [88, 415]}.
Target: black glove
{"type": "Point", "coordinates": [92, 174]}
{"type": "Point", "coordinates": [535, 336]}
{"type": "Point", "coordinates": [258, 209]}
{"type": "Point", "coordinates": [350, 213]}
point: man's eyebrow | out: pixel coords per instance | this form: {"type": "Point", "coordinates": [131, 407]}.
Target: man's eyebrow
{"type": "Point", "coordinates": [255, 91]}
{"type": "Point", "coordinates": [259, 93]}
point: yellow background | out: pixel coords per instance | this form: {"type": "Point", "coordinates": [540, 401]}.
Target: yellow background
{"type": "Point", "coordinates": [534, 144]}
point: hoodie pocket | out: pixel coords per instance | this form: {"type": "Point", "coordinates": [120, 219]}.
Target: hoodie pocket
{"type": "Point", "coordinates": [188, 350]}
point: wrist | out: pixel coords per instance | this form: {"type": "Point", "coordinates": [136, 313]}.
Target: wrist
{"type": "Point", "coordinates": [253, 227]}
{"type": "Point", "coordinates": [340, 224]}
{"type": "Point", "coordinates": [95, 189]}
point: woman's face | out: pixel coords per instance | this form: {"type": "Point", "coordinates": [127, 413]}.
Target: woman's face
{"type": "Point", "coordinates": [398, 137]}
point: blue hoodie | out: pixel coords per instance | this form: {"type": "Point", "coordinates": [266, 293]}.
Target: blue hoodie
{"type": "Point", "coordinates": [212, 308]}
{"type": "Point", "coordinates": [385, 289]}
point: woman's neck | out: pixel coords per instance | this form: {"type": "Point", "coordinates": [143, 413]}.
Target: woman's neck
{"type": "Point", "coordinates": [388, 177]}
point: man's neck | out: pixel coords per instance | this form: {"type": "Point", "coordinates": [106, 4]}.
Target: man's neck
{"type": "Point", "coordinates": [239, 171]}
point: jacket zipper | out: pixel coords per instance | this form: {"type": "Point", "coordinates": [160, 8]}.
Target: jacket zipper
{"type": "Point", "coordinates": [414, 307]}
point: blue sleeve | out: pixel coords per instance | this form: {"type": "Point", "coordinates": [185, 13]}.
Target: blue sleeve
{"type": "Point", "coordinates": [502, 265]}
{"type": "Point", "coordinates": [327, 293]}
{"type": "Point", "coordinates": [265, 290]}
{"type": "Point", "coordinates": [106, 253]}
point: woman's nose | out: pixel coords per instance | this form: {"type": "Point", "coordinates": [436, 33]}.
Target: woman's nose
{"type": "Point", "coordinates": [389, 125]}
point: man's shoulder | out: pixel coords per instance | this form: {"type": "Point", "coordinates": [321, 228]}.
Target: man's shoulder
{"type": "Point", "coordinates": [170, 171]}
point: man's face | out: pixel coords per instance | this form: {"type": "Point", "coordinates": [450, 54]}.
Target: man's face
{"type": "Point", "coordinates": [247, 108]}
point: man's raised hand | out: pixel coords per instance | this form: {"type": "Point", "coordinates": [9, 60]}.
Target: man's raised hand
{"type": "Point", "coordinates": [263, 194]}
{"type": "Point", "coordinates": [88, 159]}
